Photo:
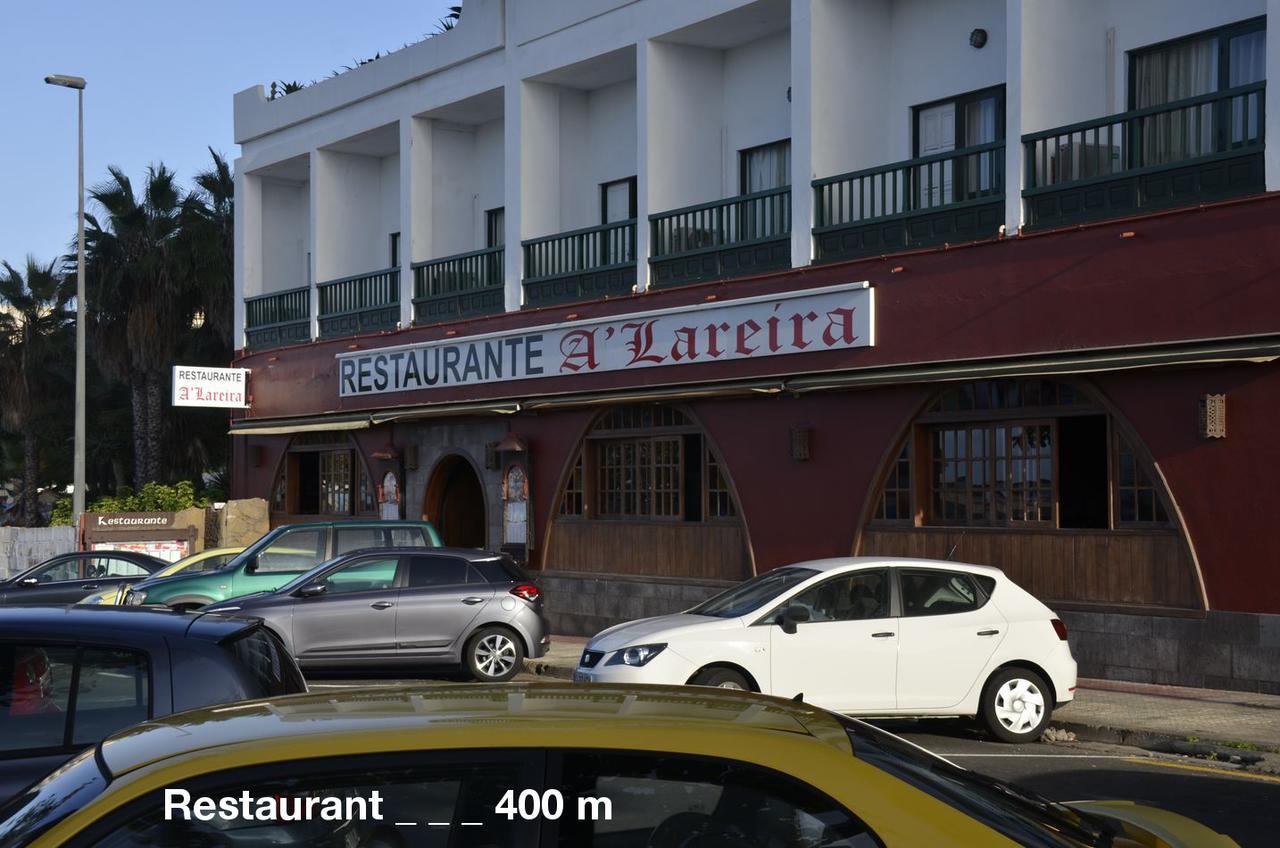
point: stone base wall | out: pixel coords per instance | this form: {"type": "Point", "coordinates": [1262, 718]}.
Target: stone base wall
{"type": "Point", "coordinates": [1220, 650]}
{"type": "Point", "coordinates": [581, 604]}
{"type": "Point", "coordinates": [23, 547]}
{"type": "Point", "coordinates": [239, 523]}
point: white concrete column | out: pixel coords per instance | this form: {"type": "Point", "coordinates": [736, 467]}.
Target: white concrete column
{"type": "Point", "coordinates": [802, 175]}
{"type": "Point", "coordinates": [513, 156]}
{"type": "Point", "coordinates": [319, 239]}
{"type": "Point", "coordinates": [415, 205]}
{"type": "Point", "coordinates": [1271, 158]}
{"type": "Point", "coordinates": [1013, 156]}
{"type": "Point", "coordinates": [642, 165]}
{"type": "Point", "coordinates": [248, 252]}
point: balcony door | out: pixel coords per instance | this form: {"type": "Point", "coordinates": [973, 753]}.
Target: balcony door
{"type": "Point", "coordinates": [617, 205]}
{"type": "Point", "coordinates": [763, 168]}
{"type": "Point", "coordinates": [941, 127]}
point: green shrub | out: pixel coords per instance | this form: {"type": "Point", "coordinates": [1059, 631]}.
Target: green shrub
{"type": "Point", "coordinates": [154, 497]}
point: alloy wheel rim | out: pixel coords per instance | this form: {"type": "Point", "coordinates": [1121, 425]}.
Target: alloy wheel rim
{"type": "Point", "coordinates": [495, 655]}
{"type": "Point", "coordinates": [1019, 705]}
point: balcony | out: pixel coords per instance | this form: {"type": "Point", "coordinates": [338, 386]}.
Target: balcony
{"type": "Point", "coordinates": [461, 286]}
{"type": "Point", "coordinates": [748, 234]}
{"type": "Point", "coordinates": [587, 264]}
{"type": "Point", "coordinates": [947, 197]}
{"type": "Point", "coordinates": [1199, 149]}
{"type": "Point", "coordinates": [281, 318]}
{"type": "Point", "coordinates": [366, 303]}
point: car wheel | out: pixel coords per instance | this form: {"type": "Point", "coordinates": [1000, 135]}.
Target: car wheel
{"type": "Point", "coordinates": [1016, 705]}
{"type": "Point", "coordinates": [494, 655]}
{"type": "Point", "coordinates": [722, 678]}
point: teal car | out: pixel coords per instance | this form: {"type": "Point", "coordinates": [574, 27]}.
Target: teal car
{"type": "Point", "coordinates": [278, 558]}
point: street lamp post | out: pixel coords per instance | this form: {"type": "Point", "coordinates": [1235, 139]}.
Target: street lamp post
{"type": "Point", "coordinates": [77, 496]}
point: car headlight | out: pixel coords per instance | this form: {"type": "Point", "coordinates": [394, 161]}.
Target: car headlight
{"type": "Point", "coordinates": [640, 654]}
{"type": "Point", "coordinates": [135, 598]}
{"type": "Point", "coordinates": [92, 599]}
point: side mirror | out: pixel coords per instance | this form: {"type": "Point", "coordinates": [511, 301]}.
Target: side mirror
{"type": "Point", "coordinates": [791, 616]}
{"type": "Point", "coordinates": [313, 590]}
{"type": "Point", "coordinates": [29, 581]}
{"type": "Point", "coordinates": [251, 567]}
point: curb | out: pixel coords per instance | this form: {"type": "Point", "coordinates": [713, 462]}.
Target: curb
{"type": "Point", "coordinates": [1168, 743]}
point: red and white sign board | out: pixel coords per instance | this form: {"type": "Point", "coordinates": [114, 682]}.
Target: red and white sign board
{"type": "Point", "coordinates": [223, 388]}
{"type": "Point", "coordinates": [830, 318]}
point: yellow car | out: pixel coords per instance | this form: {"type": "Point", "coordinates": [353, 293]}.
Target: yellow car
{"type": "Point", "coordinates": [209, 560]}
{"type": "Point", "coordinates": [521, 766]}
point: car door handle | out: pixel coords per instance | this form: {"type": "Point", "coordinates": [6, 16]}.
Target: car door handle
{"type": "Point", "coordinates": [90, 586]}
{"type": "Point", "coordinates": [381, 605]}
{"type": "Point", "coordinates": [882, 635]}
{"type": "Point", "coordinates": [988, 632]}
{"type": "Point", "coordinates": [472, 600]}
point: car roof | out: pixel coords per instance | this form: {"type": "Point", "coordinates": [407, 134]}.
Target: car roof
{"type": "Point", "coordinates": [412, 715]}
{"type": "Point", "coordinates": [137, 556]}
{"type": "Point", "coordinates": [469, 554]}
{"type": "Point", "coordinates": [833, 563]}
{"type": "Point", "coordinates": [95, 622]}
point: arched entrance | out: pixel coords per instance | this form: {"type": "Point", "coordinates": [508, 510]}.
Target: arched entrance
{"type": "Point", "coordinates": [455, 503]}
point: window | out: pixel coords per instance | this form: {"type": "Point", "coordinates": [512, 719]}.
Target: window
{"type": "Point", "coordinates": [347, 539]}
{"type": "Point", "coordinates": [437, 571]}
{"type": "Point", "coordinates": [895, 495]}
{"type": "Point", "coordinates": [966, 121]}
{"type": "Point", "coordinates": [618, 201]}
{"type": "Point", "coordinates": [395, 250]}
{"type": "Point", "coordinates": [114, 567]}
{"type": "Point", "coordinates": [269, 668]}
{"type": "Point", "coordinates": [1137, 501]}
{"type": "Point", "coordinates": [113, 690]}
{"type": "Point", "coordinates": [1200, 64]}
{"type": "Point", "coordinates": [294, 551]}
{"type": "Point", "coordinates": [408, 537]}
{"type": "Point", "coordinates": [323, 474]}
{"type": "Point", "coordinates": [856, 596]}
{"type": "Point", "coordinates": [498, 570]}
{"type": "Point", "coordinates": [366, 575]}
{"type": "Point", "coordinates": [993, 474]}
{"type": "Point", "coordinates": [495, 227]}
{"type": "Point", "coordinates": [647, 462]}
{"type": "Point", "coordinates": [60, 697]}
{"type": "Point", "coordinates": [765, 167]}
{"type": "Point", "coordinates": [66, 569]}
{"type": "Point", "coordinates": [675, 799]}
{"type": "Point", "coordinates": [335, 483]}
{"type": "Point", "coordinates": [754, 593]}
{"type": "Point", "coordinates": [938, 593]}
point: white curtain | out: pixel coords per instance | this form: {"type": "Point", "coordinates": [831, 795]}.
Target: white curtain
{"type": "Point", "coordinates": [1248, 56]}
{"type": "Point", "coordinates": [1168, 75]}
{"type": "Point", "coordinates": [767, 167]}
{"type": "Point", "coordinates": [979, 128]}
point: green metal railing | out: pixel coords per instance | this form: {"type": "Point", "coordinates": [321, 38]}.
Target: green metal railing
{"type": "Point", "coordinates": [1219, 125]}
{"type": "Point", "coordinates": [745, 219]}
{"type": "Point", "coordinates": [363, 291]}
{"type": "Point", "coordinates": [278, 318]}
{"type": "Point", "coordinates": [459, 286]}
{"type": "Point", "coordinates": [912, 186]}
{"type": "Point", "coordinates": [463, 272]}
{"type": "Point", "coordinates": [580, 251]}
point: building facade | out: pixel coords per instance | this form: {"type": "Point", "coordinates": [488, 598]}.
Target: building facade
{"type": "Point", "coordinates": [660, 295]}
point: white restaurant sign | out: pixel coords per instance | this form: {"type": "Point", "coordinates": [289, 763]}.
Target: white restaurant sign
{"type": "Point", "coordinates": [210, 387]}
{"type": "Point", "coordinates": [830, 318]}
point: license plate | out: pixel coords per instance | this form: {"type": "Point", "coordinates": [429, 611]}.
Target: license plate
{"type": "Point", "coordinates": [581, 677]}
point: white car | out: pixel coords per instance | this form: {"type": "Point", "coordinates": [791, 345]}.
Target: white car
{"type": "Point", "coordinates": [864, 636]}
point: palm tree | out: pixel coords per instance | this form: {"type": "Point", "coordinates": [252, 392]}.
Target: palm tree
{"type": "Point", "coordinates": [139, 293]}
{"type": "Point", "coordinates": [33, 323]}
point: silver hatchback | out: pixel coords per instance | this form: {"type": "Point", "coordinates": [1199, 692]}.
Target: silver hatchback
{"type": "Point", "coordinates": [407, 608]}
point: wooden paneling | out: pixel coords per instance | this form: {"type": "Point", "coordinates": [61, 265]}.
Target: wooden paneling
{"type": "Point", "coordinates": [664, 549]}
{"type": "Point", "coordinates": [1100, 567]}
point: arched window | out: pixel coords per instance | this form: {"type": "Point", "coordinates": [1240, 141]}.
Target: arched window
{"type": "Point", "coordinates": [1014, 453]}
{"type": "Point", "coordinates": [647, 463]}
{"type": "Point", "coordinates": [323, 474]}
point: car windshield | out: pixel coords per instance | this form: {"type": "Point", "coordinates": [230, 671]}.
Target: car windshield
{"type": "Point", "coordinates": [754, 593]}
{"type": "Point", "coordinates": [1024, 816]}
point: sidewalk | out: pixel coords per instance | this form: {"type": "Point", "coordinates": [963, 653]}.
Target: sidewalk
{"type": "Point", "coordinates": [1103, 711]}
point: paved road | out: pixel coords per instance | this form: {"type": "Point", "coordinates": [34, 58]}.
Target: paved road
{"type": "Point", "coordinates": [1240, 804]}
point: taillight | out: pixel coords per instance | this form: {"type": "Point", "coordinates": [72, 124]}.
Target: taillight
{"type": "Point", "coordinates": [1059, 628]}
{"type": "Point", "coordinates": [530, 592]}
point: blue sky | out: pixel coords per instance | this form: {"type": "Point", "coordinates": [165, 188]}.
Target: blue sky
{"type": "Point", "coordinates": [160, 80]}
